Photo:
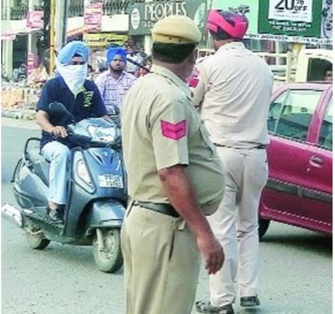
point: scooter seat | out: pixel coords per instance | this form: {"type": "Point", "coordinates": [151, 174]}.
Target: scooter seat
{"type": "Point", "coordinates": [39, 164]}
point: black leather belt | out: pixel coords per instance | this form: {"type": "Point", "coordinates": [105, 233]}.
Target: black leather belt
{"type": "Point", "coordinates": [159, 207]}
{"type": "Point", "coordinates": [260, 146]}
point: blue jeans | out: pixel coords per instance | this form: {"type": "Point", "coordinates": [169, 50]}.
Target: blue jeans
{"type": "Point", "coordinates": [59, 157]}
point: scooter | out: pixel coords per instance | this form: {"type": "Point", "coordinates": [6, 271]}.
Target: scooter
{"type": "Point", "coordinates": [97, 194]}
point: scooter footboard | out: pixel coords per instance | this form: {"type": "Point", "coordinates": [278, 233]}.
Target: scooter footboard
{"type": "Point", "coordinates": [105, 213]}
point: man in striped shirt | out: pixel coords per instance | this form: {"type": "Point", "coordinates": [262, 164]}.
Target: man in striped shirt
{"type": "Point", "coordinates": [114, 83]}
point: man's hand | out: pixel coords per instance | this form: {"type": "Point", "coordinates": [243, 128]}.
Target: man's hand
{"type": "Point", "coordinates": [212, 251]}
{"type": "Point", "coordinates": [59, 131]}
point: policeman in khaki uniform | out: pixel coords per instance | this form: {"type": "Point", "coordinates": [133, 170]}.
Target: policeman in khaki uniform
{"type": "Point", "coordinates": [175, 178]}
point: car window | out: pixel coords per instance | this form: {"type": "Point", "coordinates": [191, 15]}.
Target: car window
{"type": "Point", "coordinates": [326, 133]}
{"type": "Point", "coordinates": [291, 113]}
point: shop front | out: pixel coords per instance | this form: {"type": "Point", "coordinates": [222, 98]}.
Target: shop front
{"type": "Point", "coordinates": [99, 42]}
{"type": "Point", "coordinates": [143, 16]}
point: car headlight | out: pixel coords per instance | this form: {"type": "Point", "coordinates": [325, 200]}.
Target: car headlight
{"type": "Point", "coordinates": [83, 173]}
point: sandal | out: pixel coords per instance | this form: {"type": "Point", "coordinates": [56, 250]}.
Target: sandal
{"type": "Point", "coordinates": [207, 307]}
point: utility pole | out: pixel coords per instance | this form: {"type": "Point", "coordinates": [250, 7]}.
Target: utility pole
{"type": "Point", "coordinates": [61, 24]}
{"type": "Point", "coordinates": [52, 36]}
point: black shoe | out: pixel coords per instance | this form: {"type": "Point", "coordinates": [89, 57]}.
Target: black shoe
{"type": "Point", "coordinates": [55, 215]}
{"type": "Point", "coordinates": [250, 301]}
{"type": "Point", "coordinates": [207, 307]}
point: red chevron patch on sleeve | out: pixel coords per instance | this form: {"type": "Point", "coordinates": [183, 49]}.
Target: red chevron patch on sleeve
{"type": "Point", "coordinates": [174, 131]}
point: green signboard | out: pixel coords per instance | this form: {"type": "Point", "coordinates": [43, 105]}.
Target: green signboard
{"type": "Point", "coordinates": [304, 21]}
{"type": "Point", "coordinates": [290, 17]}
{"type": "Point", "coordinates": [143, 16]}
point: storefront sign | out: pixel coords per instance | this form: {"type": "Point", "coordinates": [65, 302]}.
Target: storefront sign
{"type": "Point", "coordinates": [35, 19]}
{"type": "Point", "coordinates": [93, 16]}
{"type": "Point", "coordinates": [102, 40]}
{"type": "Point", "coordinates": [327, 19]}
{"type": "Point", "coordinates": [30, 63]}
{"type": "Point", "coordinates": [143, 16]}
{"type": "Point", "coordinates": [290, 17]}
{"type": "Point", "coordinates": [291, 10]}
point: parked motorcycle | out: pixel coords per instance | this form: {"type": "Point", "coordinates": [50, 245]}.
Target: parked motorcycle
{"type": "Point", "coordinates": [97, 192]}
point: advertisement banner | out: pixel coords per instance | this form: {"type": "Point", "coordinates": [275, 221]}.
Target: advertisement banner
{"type": "Point", "coordinates": [291, 10]}
{"type": "Point", "coordinates": [327, 19]}
{"type": "Point", "coordinates": [35, 19]}
{"type": "Point", "coordinates": [249, 8]}
{"type": "Point", "coordinates": [290, 17]}
{"type": "Point", "coordinates": [93, 16]}
{"type": "Point", "coordinates": [143, 16]}
{"type": "Point", "coordinates": [30, 63]}
{"type": "Point", "coordinates": [102, 40]}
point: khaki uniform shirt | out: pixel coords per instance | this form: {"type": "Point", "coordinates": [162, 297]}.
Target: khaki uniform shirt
{"type": "Point", "coordinates": [233, 91]}
{"type": "Point", "coordinates": [161, 129]}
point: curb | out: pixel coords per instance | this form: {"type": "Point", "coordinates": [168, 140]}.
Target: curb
{"type": "Point", "coordinates": [19, 114]}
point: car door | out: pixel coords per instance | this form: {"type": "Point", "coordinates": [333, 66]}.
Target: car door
{"type": "Point", "coordinates": [290, 120]}
{"type": "Point", "coordinates": [320, 167]}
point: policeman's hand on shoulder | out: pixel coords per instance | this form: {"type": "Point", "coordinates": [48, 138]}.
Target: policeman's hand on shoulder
{"type": "Point", "coordinates": [212, 251]}
{"type": "Point", "coordinates": [58, 131]}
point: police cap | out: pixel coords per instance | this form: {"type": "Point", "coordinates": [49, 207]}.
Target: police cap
{"type": "Point", "coordinates": [176, 29]}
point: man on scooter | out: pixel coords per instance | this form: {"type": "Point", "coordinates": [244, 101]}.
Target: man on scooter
{"type": "Point", "coordinates": [82, 99]}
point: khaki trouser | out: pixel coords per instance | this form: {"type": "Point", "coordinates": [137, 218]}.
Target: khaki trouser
{"type": "Point", "coordinates": [235, 224]}
{"type": "Point", "coordinates": [161, 263]}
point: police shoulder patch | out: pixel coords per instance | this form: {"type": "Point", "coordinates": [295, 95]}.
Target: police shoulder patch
{"type": "Point", "coordinates": [174, 131]}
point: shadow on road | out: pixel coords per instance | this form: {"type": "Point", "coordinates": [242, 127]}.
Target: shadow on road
{"type": "Point", "coordinates": [320, 243]}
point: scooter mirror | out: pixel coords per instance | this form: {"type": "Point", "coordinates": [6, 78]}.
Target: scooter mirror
{"type": "Point", "coordinates": [59, 109]}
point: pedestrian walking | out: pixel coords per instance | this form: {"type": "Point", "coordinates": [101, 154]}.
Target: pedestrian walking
{"type": "Point", "coordinates": [232, 92]}
{"type": "Point", "coordinates": [175, 178]}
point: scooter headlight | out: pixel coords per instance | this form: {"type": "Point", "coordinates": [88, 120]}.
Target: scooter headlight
{"type": "Point", "coordinates": [83, 173]}
{"type": "Point", "coordinates": [102, 135]}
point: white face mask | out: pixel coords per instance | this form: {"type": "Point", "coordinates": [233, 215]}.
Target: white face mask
{"type": "Point", "coordinates": [73, 75]}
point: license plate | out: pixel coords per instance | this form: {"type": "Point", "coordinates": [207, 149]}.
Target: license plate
{"type": "Point", "coordinates": [110, 181]}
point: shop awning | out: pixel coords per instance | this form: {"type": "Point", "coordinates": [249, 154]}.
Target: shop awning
{"type": "Point", "coordinates": [11, 35]}
{"type": "Point", "coordinates": [78, 31]}
{"type": "Point", "coordinates": [8, 36]}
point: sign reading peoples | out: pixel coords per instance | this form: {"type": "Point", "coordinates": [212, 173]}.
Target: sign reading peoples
{"type": "Point", "coordinates": [143, 16]}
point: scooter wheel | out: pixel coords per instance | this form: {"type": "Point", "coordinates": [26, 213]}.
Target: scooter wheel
{"type": "Point", "coordinates": [110, 259]}
{"type": "Point", "coordinates": [36, 239]}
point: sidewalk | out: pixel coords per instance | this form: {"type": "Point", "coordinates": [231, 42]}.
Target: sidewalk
{"type": "Point", "coordinates": [19, 123]}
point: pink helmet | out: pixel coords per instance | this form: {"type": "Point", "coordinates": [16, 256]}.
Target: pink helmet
{"type": "Point", "coordinates": [226, 24]}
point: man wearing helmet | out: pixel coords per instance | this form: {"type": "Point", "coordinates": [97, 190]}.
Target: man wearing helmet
{"type": "Point", "coordinates": [232, 92]}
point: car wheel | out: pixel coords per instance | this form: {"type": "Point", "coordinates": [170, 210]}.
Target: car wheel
{"type": "Point", "coordinates": [263, 227]}
{"type": "Point", "coordinates": [110, 259]}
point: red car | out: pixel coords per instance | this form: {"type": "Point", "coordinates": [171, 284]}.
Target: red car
{"type": "Point", "coordinates": [299, 189]}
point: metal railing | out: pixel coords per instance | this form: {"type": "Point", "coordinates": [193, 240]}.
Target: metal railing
{"type": "Point", "coordinates": [19, 12]}
{"type": "Point", "coordinates": [76, 10]}
{"type": "Point", "coordinates": [109, 7]}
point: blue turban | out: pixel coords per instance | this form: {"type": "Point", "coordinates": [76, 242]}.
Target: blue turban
{"type": "Point", "coordinates": [112, 52]}
{"type": "Point", "coordinates": [72, 48]}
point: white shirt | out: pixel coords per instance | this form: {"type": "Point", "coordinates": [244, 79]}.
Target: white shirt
{"type": "Point", "coordinates": [233, 91]}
